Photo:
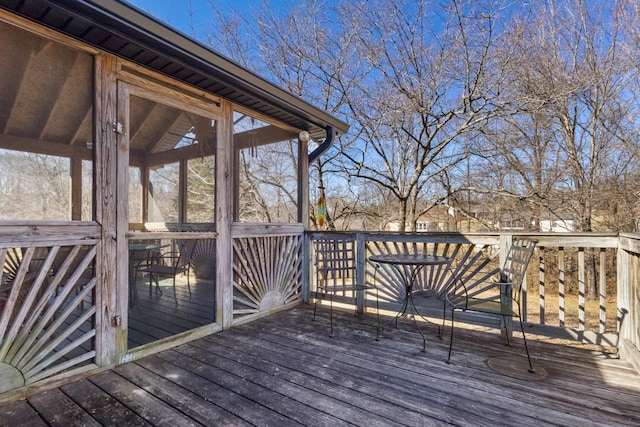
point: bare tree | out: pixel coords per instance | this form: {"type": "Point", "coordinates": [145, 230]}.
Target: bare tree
{"type": "Point", "coordinates": [298, 48]}
{"type": "Point", "coordinates": [539, 96]}
{"type": "Point", "coordinates": [434, 80]}
{"type": "Point", "coordinates": [312, 51]}
{"type": "Point", "coordinates": [563, 143]}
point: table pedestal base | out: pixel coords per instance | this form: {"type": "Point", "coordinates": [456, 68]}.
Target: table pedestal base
{"type": "Point", "coordinates": [409, 267]}
{"type": "Point", "coordinates": [409, 302]}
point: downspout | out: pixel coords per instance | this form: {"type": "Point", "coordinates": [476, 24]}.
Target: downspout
{"type": "Point", "coordinates": [313, 156]}
{"type": "Point", "coordinates": [320, 149]}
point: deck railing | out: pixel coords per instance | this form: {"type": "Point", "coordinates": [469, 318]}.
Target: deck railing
{"type": "Point", "coordinates": [48, 301]}
{"type": "Point", "coordinates": [628, 296]}
{"type": "Point", "coordinates": [267, 268]}
{"type": "Point", "coordinates": [558, 297]}
{"type": "Point", "coordinates": [269, 272]}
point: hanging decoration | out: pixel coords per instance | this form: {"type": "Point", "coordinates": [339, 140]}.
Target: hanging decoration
{"type": "Point", "coordinates": [322, 209]}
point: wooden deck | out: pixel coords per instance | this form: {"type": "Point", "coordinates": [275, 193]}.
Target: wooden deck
{"type": "Point", "coordinates": [285, 370]}
{"type": "Point", "coordinates": [158, 316]}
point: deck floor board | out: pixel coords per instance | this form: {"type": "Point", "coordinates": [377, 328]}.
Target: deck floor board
{"type": "Point", "coordinates": [284, 369]}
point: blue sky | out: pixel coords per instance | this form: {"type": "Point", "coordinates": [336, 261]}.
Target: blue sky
{"type": "Point", "coordinates": [177, 14]}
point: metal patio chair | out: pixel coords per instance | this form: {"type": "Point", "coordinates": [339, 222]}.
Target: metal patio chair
{"type": "Point", "coordinates": [169, 264]}
{"type": "Point", "coordinates": [335, 264]}
{"type": "Point", "coordinates": [506, 303]}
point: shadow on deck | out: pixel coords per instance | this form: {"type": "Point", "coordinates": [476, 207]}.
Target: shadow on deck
{"type": "Point", "coordinates": [285, 370]}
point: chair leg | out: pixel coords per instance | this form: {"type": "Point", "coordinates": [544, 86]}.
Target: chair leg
{"type": "Point", "coordinates": [444, 317]}
{"type": "Point", "coordinates": [451, 339]}
{"type": "Point", "coordinates": [526, 347]}
{"type": "Point", "coordinates": [154, 278]}
{"type": "Point", "coordinates": [378, 307]}
{"type": "Point", "coordinates": [134, 291]}
{"type": "Point", "coordinates": [331, 314]}
{"type": "Point", "coordinates": [504, 321]}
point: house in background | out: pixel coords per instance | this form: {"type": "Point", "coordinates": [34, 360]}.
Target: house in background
{"type": "Point", "coordinates": [438, 218]}
{"type": "Point", "coordinates": [558, 225]}
{"type": "Point", "coordinates": [442, 218]}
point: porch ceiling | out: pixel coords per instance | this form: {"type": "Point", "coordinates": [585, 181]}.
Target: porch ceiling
{"type": "Point", "coordinates": [123, 30]}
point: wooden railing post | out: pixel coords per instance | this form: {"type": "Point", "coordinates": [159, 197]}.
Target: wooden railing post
{"type": "Point", "coordinates": [506, 327]}
{"type": "Point", "coordinates": [627, 297]}
{"type": "Point", "coordinates": [561, 288]}
{"type": "Point", "coordinates": [542, 287]}
{"type": "Point", "coordinates": [602, 291]}
{"type": "Point", "coordinates": [581, 289]}
{"type": "Point", "coordinates": [361, 260]}
{"type": "Point", "coordinates": [306, 267]}
{"type": "Point", "coordinates": [627, 276]}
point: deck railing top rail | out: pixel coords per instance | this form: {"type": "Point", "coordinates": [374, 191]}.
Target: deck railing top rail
{"type": "Point", "coordinates": [584, 240]}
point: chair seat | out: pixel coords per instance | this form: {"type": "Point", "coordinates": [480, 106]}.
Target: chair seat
{"type": "Point", "coordinates": [460, 302]}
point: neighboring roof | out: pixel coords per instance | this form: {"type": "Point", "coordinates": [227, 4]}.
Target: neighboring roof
{"type": "Point", "coordinates": [123, 30]}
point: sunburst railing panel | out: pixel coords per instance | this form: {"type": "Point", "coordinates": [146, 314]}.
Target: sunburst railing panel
{"type": "Point", "coordinates": [469, 262]}
{"type": "Point", "coordinates": [267, 273]}
{"type": "Point", "coordinates": [472, 259]}
{"type": "Point", "coordinates": [47, 309]}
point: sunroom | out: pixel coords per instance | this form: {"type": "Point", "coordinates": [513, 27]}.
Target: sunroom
{"type": "Point", "coordinates": [123, 146]}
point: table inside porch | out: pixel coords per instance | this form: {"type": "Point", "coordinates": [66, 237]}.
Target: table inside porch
{"type": "Point", "coordinates": [139, 252]}
{"type": "Point", "coordinates": [409, 267]}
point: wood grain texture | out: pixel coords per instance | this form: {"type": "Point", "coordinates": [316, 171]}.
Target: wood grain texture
{"type": "Point", "coordinates": [267, 273]}
{"type": "Point", "coordinates": [285, 370]}
{"type": "Point", "coordinates": [47, 321]}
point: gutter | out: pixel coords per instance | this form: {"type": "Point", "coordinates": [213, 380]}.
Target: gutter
{"type": "Point", "coordinates": [328, 142]}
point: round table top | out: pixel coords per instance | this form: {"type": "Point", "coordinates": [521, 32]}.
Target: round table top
{"type": "Point", "coordinates": [410, 259]}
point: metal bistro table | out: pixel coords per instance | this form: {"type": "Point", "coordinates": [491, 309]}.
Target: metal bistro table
{"type": "Point", "coordinates": [409, 267]}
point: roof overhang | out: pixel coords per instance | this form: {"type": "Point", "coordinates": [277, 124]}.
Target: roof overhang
{"type": "Point", "coordinates": [123, 30]}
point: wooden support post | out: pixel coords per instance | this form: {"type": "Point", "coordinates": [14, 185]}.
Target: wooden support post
{"type": "Point", "coordinates": [122, 217]}
{"type": "Point", "coordinates": [106, 209]}
{"type": "Point", "coordinates": [182, 194]}
{"type": "Point", "coordinates": [146, 193]}
{"type": "Point", "coordinates": [76, 188]}
{"type": "Point", "coordinates": [303, 215]}
{"type": "Point", "coordinates": [226, 187]}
